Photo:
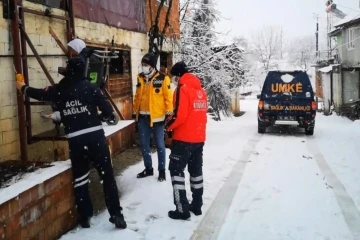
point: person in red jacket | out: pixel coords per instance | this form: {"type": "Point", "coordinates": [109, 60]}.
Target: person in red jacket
{"type": "Point", "coordinates": [188, 128]}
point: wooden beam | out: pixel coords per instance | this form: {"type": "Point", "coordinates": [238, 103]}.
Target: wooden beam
{"type": "Point", "coordinates": [61, 45]}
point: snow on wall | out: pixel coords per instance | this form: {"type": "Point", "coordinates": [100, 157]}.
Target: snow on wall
{"type": "Point", "coordinates": [41, 175]}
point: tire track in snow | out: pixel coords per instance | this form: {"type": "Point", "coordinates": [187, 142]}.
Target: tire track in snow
{"type": "Point", "coordinates": [346, 203]}
{"type": "Point", "coordinates": [214, 218]}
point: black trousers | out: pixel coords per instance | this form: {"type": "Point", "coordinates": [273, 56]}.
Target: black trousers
{"type": "Point", "coordinates": [83, 149]}
{"type": "Point", "coordinates": [182, 154]}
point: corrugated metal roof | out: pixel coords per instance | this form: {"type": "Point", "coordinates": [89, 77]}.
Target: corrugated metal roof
{"type": "Point", "coordinates": [347, 20]}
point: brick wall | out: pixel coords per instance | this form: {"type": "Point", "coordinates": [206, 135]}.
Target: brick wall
{"type": "Point", "coordinates": [37, 28]}
{"type": "Point", "coordinates": [45, 211]}
{"type": "Point", "coordinates": [174, 22]}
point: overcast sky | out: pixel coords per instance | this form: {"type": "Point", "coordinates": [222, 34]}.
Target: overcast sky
{"type": "Point", "coordinates": [295, 16]}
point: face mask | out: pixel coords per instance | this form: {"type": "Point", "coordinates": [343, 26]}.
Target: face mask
{"type": "Point", "coordinates": [146, 70]}
{"type": "Point", "coordinates": [175, 80]}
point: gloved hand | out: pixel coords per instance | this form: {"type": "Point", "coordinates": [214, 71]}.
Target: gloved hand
{"type": "Point", "coordinates": [102, 118]}
{"type": "Point", "coordinates": [169, 134]}
{"type": "Point", "coordinates": [19, 81]}
{"type": "Point", "coordinates": [113, 119]}
{"type": "Point", "coordinates": [167, 120]}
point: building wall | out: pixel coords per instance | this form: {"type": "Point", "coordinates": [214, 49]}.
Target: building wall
{"type": "Point", "coordinates": [350, 86]}
{"type": "Point", "coordinates": [318, 84]}
{"type": "Point", "coordinates": [326, 87]}
{"type": "Point", "coordinates": [37, 28]}
{"type": "Point", "coordinates": [98, 34]}
{"type": "Point", "coordinates": [337, 90]}
{"type": "Point", "coordinates": [174, 19]}
{"type": "Point", "coordinates": [349, 57]}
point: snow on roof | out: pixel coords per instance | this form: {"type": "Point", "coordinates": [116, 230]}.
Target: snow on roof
{"type": "Point", "coordinates": [39, 176]}
{"type": "Point", "coordinates": [328, 69]}
{"type": "Point", "coordinates": [346, 20]}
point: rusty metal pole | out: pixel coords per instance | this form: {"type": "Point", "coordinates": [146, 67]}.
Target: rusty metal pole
{"type": "Point", "coordinates": [20, 99]}
{"type": "Point", "coordinates": [114, 104]}
{"type": "Point", "coordinates": [70, 24]}
{"type": "Point", "coordinates": [26, 79]}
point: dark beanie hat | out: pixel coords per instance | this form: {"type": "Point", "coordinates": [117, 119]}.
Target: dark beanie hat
{"type": "Point", "coordinates": [75, 68]}
{"type": "Point", "coordinates": [150, 59]}
{"type": "Point", "coordinates": [179, 69]}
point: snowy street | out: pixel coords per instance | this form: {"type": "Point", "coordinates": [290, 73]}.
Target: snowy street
{"type": "Point", "coordinates": [273, 186]}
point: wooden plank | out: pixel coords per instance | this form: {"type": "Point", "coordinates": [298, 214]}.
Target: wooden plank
{"type": "Point", "coordinates": [61, 45]}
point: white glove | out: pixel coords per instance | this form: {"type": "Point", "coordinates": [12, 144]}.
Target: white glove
{"type": "Point", "coordinates": [55, 116]}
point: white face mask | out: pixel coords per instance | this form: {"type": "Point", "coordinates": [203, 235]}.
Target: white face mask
{"type": "Point", "coordinates": [146, 70]}
{"type": "Point", "coordinates": [175, 80]}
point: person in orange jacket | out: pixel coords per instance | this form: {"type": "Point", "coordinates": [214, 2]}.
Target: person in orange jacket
{"type": "Point", "coordinates": [188, 127]}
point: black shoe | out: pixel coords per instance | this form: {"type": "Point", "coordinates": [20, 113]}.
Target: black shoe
{"type": "Point", "coordinates": [119, 221]}
{"type": "Point", "coordinates": [197, 212]}
{"type": "Point", "coordinates": [85, 223]}
{"type": "Point", "coordinates": [179, 216]}
{"type": "Point", "coordinates": [147, 172]}
{"type": "Point", "coordinates": [162, 176]}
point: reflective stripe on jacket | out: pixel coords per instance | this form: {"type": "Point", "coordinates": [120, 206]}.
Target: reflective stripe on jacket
{"type": "Point", "coordinates": [160, 97]}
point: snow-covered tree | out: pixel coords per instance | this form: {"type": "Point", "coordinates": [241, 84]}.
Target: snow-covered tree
{"type": "Point", "coordinates": [218, 66]}
{"type": "Point", "coordinates": [302, 52]}
{"type": "Point", "coordinates": [266, 45]}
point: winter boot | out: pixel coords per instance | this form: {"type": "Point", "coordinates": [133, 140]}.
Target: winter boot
{"type": "Point", "coordinates": [197, 212]}
{"type": "Point", "coordinates": [179, 216]}
{"type": "Point", "coordinates": [162, 176]}
{"type": "Point", "coordinates": [85, 223]}
{"type": "Point", "coordinates": [147, 172]}
{"type": "Point", "coordinates": [119, 221]}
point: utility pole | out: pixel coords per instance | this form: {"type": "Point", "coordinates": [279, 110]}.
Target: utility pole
{"type": "Point", "coordinates": [281, 42]}
{"type": "Point", "coordinates": [329, 26]}
{"type": "Point", "coordinates": [317, 53]}
{"type": "Point", "coordinates": [317, 37]}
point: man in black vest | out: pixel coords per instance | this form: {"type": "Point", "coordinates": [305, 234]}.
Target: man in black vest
{"type": "Point", "coordinates": [78, 101]}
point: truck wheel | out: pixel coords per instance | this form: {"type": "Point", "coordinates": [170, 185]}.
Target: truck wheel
{"type": "Point", "coordinates": [261, 130]}
{"type": "Point", "coordinates": [309, 132]}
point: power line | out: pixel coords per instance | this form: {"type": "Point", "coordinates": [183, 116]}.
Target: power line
{"type": "Point", "coordinates": [348, 8]}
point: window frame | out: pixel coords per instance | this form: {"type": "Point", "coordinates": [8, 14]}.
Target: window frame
{"type": "Point", "coordinates": [350, 38]}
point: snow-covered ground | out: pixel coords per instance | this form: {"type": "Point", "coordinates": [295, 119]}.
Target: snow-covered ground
{"type": "Point", "coordinates": [257, 187]}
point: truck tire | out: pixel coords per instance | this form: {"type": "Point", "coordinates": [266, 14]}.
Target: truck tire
{"type": "Point", "coordinates": [261, 130]}
{"type": "Point", "coordinates": [309, 132]}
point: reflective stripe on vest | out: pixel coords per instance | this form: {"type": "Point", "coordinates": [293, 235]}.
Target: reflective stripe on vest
{"type": "Point", "coordinates": [84, 131]}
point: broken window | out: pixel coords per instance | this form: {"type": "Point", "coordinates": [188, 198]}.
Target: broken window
{"type": "Point", "coordinates": [119, 84]}
{"type": "Point", "coordinates": [51, 3]}
{"type": "Point", "coordinates": [121, 65]}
